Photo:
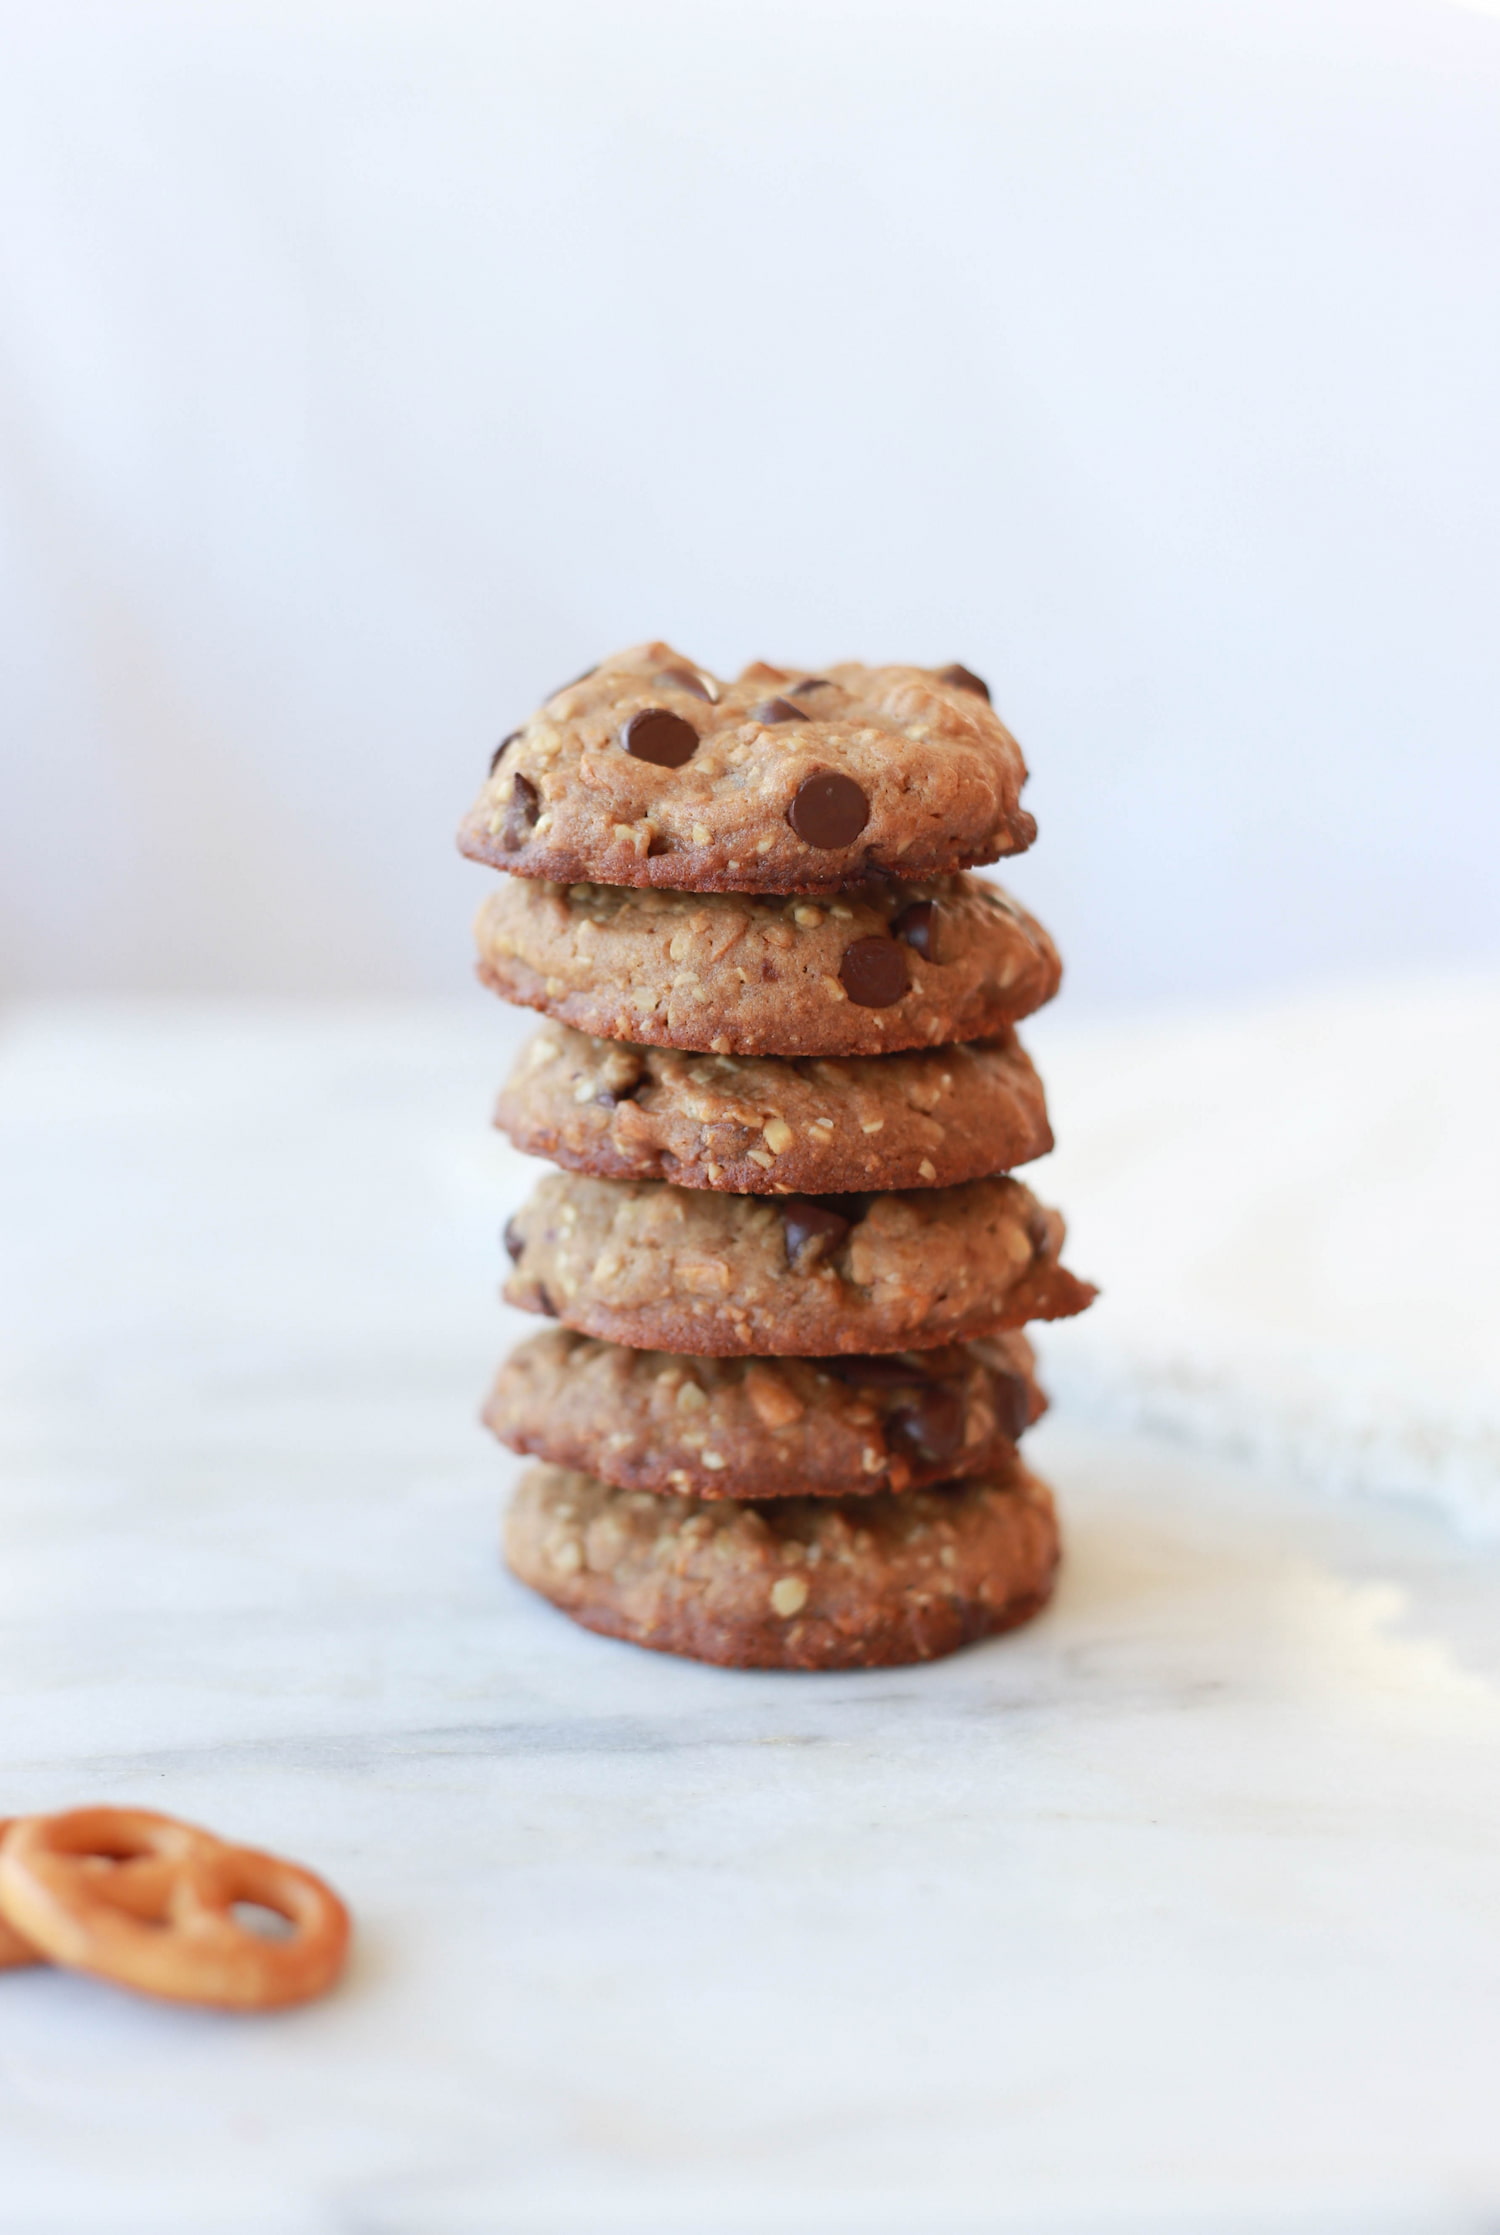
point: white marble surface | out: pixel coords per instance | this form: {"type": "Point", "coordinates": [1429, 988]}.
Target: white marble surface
{"type": "Point", "coordinates": [1292, 1208]}
{"type": "Point", "coordinates": [1178, 1911]}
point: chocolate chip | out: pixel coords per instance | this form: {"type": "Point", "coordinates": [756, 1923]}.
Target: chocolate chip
{"type": "Point", "coordinates": [544, 1301]}
{"type": "Point", "coordinates": [964, 679]}
{"type": "Point", "coordinates": [521, 811]}
{"type": "Point", "coordinates": [919, 925]}
{"type": "Point", "coordinates": [688, 679]}
{"type": "Point", "coordinates": [772, 710]}
{"type": "Point", "coordinates": [874, 973]}
{"type": "Point", "coordinates": [811, 1229]}
{"type": "Point", "coordinates": [502, 749]}
{"type": "Point", "coordinates": [658, 735]}
{"type": "Point", "coordinates": [828, 810]}
{"type": "Point", "coordinates": [1012, 1404]}
{"type": "Point", "coordinates": [515, 1241]}
{"type": "Point", "coordinates": [931, 1428]}
{"type": "Point", "coordinates": [811, 683]}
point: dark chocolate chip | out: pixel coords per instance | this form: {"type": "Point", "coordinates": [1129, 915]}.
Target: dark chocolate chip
{"type": "Point", "coordinates": [811, 1229]}
{"type": "Point", "coordinates": [658, 735]}
{"type": "Point", "coordinates": [688, 679]}
{"type": "Point", "coordinates": [964, 679]}
{"type": "Point", "coordinates": [810, 683]}
{"type": "Point", "coordinates": [931, 1427]}
{"type": "Point", "coordinates": [521, 811]}
{"type": "Point", "coordinates": [828, 810]}
{"type": "Point", "coordinates": [1012, 1404]}
{"type": "Point", "coordinates": [544, 1301]}
{"type": "Point", "coordinates": [772, 710]}
{"type": "Point", "coordinates": [502, 749]}
{"type": "Point", "coordinates": [919, 926]}
{"type": "Point", "coordinates": [874, 973]}
{"type": "Point", "coordinates": [515, 1241]}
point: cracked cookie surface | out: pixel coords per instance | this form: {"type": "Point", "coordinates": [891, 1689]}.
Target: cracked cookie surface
{"type": "Point", "coordinates": [875, 969]}
{"type": "Point", "coordinates": [765, 1427]}
{"type": "Point", "coordinates": [657, 1267]}
{"type": "Point", "coordinates": [766, 1125]}
{"type": "Point", "coordinates": [650, 771]}
{"type": "Point", "coordinates": [802, 1583]}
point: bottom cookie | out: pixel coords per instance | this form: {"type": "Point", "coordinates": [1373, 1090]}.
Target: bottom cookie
{"type": "Point", "coordinates": [793, 1583]}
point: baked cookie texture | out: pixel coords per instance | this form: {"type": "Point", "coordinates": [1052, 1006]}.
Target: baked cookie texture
{"type": "Point", "coordinates": [802, 1583]}
{"type": "Point", "coordinates": [779, 1410]}
{"type": "Point", "coordinates": [878, 968]}
{"type": "Point", "coordinates": [651, 771]}
{"type": "Point", "coordinates": [658, 1267]}
{"type": "Point", "coordinates": [774, 1125]}
{"type": "Point", "coordinates": [765, 1427]}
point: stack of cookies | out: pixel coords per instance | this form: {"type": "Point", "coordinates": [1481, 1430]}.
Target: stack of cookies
{"type": "Point", "coordinates": [780, 1409]}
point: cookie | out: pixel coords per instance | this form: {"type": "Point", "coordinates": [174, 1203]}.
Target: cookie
{"type": "Point", "coordinates": [772, 1125]}
{"type": "Point", "coordinates": [650, 771]}
{"type": "Point", "coordinates": [672, 1268]}
{"type": "Point", "coordinates": [881, 967]}
{"type": "Point", "coordinates": [765, 1427]}
{"type": "Point", "coordinates": [804, 1583]}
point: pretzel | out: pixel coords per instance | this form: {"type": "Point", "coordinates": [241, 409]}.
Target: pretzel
{"type": "Point", "coordinates": [149, 1902]}
{"type": "Point", "coordinates": [14, 1951]}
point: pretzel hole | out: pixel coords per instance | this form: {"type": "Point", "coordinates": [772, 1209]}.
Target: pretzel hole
{"type": "Point", "coordinates": [264, 1923]}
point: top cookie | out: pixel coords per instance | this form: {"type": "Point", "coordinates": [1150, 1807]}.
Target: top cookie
{"type": "Point", "coordinates": [650, 771]}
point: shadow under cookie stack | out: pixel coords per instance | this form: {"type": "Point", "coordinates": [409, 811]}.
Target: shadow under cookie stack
{"type": "Point", "coordinates": [780, 1409]}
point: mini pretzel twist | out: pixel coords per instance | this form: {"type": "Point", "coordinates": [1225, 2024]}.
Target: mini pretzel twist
{"type": "Point", "coordinates": [149, 1902]}
{"type": "Point", "coordinates": [14, 1951]}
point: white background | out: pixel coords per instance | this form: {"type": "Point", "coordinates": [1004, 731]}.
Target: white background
{"type": "Point", "coordinates": [370, 369]}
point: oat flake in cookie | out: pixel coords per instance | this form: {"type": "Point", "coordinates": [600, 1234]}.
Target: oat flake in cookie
{"type": "Point", "coordinates": [870, 971]}
{"type": "Point", "coordinates": [804, 1583]}
{"type": "Point", "coordinates": [673, 1268]}
{"type": "Point", "coordinates": [770, 1125]}
{"type": "Point", "coordinates": [765, 1427]}
{"type": "Point", "coordinates": [650, 771]}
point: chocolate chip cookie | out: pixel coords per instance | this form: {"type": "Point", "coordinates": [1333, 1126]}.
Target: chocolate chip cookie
{"type": "Point", "coordinates": [770, 1125]}
{"type": "Point", "coordinates": [801, 1583]}
{"type": "Point", "coordinates": [650, 771]}
{"type": "Point", "coordinates": [878, 968]}
{"type": "Point", "coordinates": [765, 1427]}
{"type": "Point", "coordinates": [672, 1268]}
